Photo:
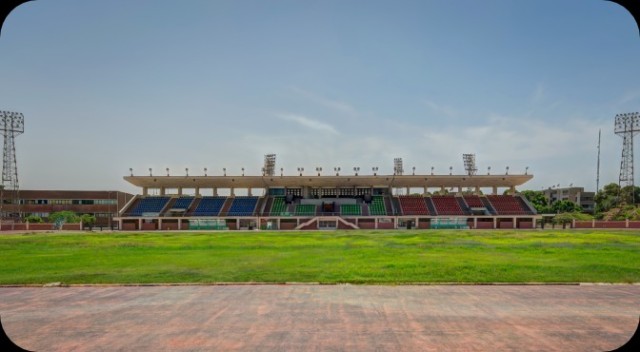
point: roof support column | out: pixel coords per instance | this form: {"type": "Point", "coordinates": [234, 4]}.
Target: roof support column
{"type": "Point", "coordinates": [179, 191]}
{"type": "Point", "coordinates": [495, 190]}
{"type": "Point", "coordinates": [249, 192]}
{"type": "Point", "coordinates": [145, 191]}
{"type": "Point", "coordinates": [162, 191]}
{"type": "Point", "coordinates": [197, 191]}
{"type": "Point", "coordinates": [215, 191]}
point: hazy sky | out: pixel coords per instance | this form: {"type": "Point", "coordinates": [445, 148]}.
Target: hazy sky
{"type": "Point", "coordinates": [109, 85]}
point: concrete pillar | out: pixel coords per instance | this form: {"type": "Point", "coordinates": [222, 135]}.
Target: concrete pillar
{"type": "Point", "coordinates": [477, 190]}
{"type": "Point", "coordinates": [145, 191]}
{"type": "Point", "coordinates": [139, 224]}
{"type": "Point", "coordinates": [442, 189]}
{"type": "Point", "coordinates": [249, 192]}
{"type": "Point", "coordinates": [179, 224]}
{"type": "Point", "coordinates": [495, 223]}
{"type": "Point", "coordinates": [512, 190]}
{"type": "Point", "coordinates": [515, 223]}
{"type": "Point", "coordinates": [424, 191]}
{"type": "Point", "coordinates": [278, 222]}
{"type": "Point", "coordinates": [408, 191]}
{"type": "Point", "coordinates": [197, 191]}
{"type": "Point", "coordinates": [162, 191]}
{"type": "Point", "coordinates": [533, 220]}
{"type": "Point", "coordinates": [179, 191]}
{"type": "Point", "coordinates": [495, 190]}
{"type": "Point", "coordinates": [120, 224]}
{"type": "Point", "coordinates": [475, 223]}
{"type": "Point", "coordinates": [233, 192]}
{"type": "Point", "coordinates": [159, 224]}
{"type": "Point", "coordinates": [460, 189]}
{"type": "Point", "coordinates": [215, 191]}
{"type": "Point", "coordinates": [626, 223]}
{"type": "Point", "coordinates": [376, 223]}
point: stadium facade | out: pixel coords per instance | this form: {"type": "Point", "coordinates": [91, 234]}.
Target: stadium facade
{"type": "Point", "coordinates": [307, 202]}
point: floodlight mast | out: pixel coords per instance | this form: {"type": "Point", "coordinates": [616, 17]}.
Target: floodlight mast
{"type": "Point", "coordinates": [627, 126]}
{"type": "Point", "coordinates": [269, 164]}
{"type": "Point", "coordinates": [397, 166]}
{"type": "Point", "coordinates": [11, 124]}
{"type": "Point", "coordinates": [470, 164]}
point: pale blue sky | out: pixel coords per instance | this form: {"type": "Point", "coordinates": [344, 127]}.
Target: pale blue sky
{"type": "Point", "coordinates": [108, 85]}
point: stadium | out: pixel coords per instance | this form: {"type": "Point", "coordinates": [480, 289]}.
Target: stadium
{"type": "Point", "coordinates": [335, 201]}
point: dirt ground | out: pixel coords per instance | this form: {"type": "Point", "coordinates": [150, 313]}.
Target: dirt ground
{"type": "Point", "coordinates": [322, 318]}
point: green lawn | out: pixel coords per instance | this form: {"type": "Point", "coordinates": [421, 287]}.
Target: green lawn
{"type": "Point", "coordinates": [325, 257]}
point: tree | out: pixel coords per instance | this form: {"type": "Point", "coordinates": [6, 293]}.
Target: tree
{"type": "Point", "coordinates": [563, 219]}
{"type": "Point", "coordinates": [65, 215]}
{"type": "Point", "coordinates": [607, 198]}
{"type": "Point", "coordinates": [33, 219]}
{"type": "Point", "coordinates": [565, 206]}
{"type": "Point", "coordinates": [88, 220]}
{"type": "Point", "coordinates": [538, 200]}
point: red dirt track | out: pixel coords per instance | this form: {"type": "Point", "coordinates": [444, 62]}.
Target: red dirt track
{"type": "Point", "coordinates": [311, 317]}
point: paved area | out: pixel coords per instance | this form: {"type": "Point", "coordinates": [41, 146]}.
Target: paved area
{"type": "Point", "coordinates": [321, 318]}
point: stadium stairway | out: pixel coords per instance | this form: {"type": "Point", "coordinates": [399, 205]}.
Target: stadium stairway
{"type": "Point", "coordinates": [365, 209]}
{"type": "Point", "coordinates": [431, 206]}
{"type": "Point", "coordinates": [267, 206]}
{"type": "Point", "coordinates": [226, 206]}
{"type": "Point", "coordinates": [463, 205]}
{"type": "Point", "coordinates": [193, 206]}
{"type": "Point", "coordinates": [388, 206]}
{"type": "Point", "coordinates": [488, 205]}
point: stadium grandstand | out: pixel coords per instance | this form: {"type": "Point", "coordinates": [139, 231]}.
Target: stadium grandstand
{"type": "Point", "coordinates": [333, 201]}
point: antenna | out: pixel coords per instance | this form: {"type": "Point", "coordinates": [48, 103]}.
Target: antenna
{"type": "Point", "coordinates": [470, 164]}
{"type": "Point", "coordinates": [598, 165]}
{"type": "Point", "coordinates": [627, 126]}
{"type": "Point", "coordinates": [11, 124]}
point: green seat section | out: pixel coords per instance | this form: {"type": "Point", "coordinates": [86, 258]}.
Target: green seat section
{"type": "Point", "coordinates": [377, 206]}
{"type": "Point", "coordinates": [350, 209]}
{"type": "Point", "coordinates": [305, 210]}
{"type": "Point", "coordinates": [278, 206]}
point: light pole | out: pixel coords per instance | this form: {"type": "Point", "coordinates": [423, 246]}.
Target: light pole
{"type": "Point", "coordinates": [414, 171]}
{"type": "Point", "coordinates": [300, 169]}
{"type": "Point", "coordinates": [450, 170]}
{"type": "Point", "coordinates": [375, 170]}
{"type": "Point", "coordinates": [318, 170]}
{"type": "Point", "coordinates": [243, 171]}
{"type": "Point", "coordinates": [488, 170]}
{"type": "Point", "coordinates": [281, 171]}
{"type": "Point", "coordinates": [205, 171]}
{"type": "Point", "coordinates": [432, 171]}
{"type": "Point", "coordinates": [186, 170]}
{"type": "Point", "coordinates": [337, 170]}
{"type": "Point", "coordinates": [224, 171]}
{"type": "Point", "coordinates": [356, 169]}
{"type": "Point", "coordinates": [150, 172]}
{"type": "Point", "coordinates": [507, 171]}
{"type": "Point", "coordinates": [526, 170]}
{"type": "Point", "coordinates": [131, 171]}
{"type": "Point", "coordinates": [167, 171]}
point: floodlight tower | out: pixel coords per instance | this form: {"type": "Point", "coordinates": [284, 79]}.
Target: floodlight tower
{"type": "Point", "coordinates": [269, 164]}
{"type": "Point", "coordinates": [11, 124]}
{"type": "Point", "coordinates": [397, 166]}
{"type": "Point", "coordinates": [470, 164]}
{"type": "Point", "coordinates": [627, 125]}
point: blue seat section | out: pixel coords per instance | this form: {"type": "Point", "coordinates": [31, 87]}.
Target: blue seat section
{"type": "Point", "coordinates": [209, 206]}
{"type": "Point", "coordinates": [182, 203]}
{"type": "Point", "coordinates": [149, 205]}
{"type": "Point", "coordinates": [243, 206]}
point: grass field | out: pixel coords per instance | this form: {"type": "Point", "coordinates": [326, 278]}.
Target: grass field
{"type": "Point", "coordinates": [326, 257]}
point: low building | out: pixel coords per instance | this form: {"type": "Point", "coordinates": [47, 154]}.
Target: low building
{"type": "Point", "coordinates": [103, 205]}
{"type": "Point", "coordinates": [575, 194]}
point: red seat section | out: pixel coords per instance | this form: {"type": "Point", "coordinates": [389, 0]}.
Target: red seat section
{"type": "Point", "coordinates": [508, 205]}
{"type": "Point", "coordinates": [413, 205]}
{"type": "Point", "coordinates": [447, 205]}
{"type": "Point", "coordinates": [474, 202]}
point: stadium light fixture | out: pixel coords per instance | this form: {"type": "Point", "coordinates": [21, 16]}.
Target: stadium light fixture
{"type": "Point", "coordinates": [526, 170]}
{"type": "Point", "coordinates": [375, 170]}
{"type": "Point", "coordinates": [356, 169]}
{"type": "Point", "coordinates": [432, 170]}
{"type": "Point", "coordinates": [281, 171]}
{"type": "Point", "coordinates": [243, 171]}
{"type": "Point", "coordinates": [263, 171]}
{"type": "Point", "coordinates": [167, 171]}
{"type": "Point", "coordinates": [224, 171]}
{"type": "Point", "coordinates": [300, 169]}
{"type": "Point", "coordinates": [205, 171]}
{"type": "Point", "coordinates": [488, 170]}
{"type": "Point", "coordinates": [450, 170]}
{"type": "Point", "coordinates": [186, 170]}
{"type": "Point", "coordinates": [507, 171]}
{"type": "Point", "coordinates": [337, 170]}
{"type": "Point", "coordinates": [131, 171]}
{"type": "Point", "coordinates": [414, 171]}
{"type": "Point", "coordinates": [318, 170]}
{"type": "Point", "coordinates": [150, 172]}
